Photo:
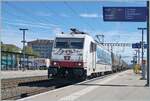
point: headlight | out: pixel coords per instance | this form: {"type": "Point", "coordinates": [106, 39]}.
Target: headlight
{"type": "Point", "coordinates": [54, 63]}
{"type": "Point", "coordinates": [79, 64]}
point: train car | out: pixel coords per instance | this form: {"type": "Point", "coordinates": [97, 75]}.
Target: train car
{"type": "Point", "coordinates": [115, 62]}
{"type": "Point", "coordinates": [77, 55]}
{"type": "Point", "coordinates": [41, 62]}
{"type": "Point", "coordinates": [124, 65]}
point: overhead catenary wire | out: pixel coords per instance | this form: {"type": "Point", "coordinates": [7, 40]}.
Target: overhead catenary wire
{"type": "Point", "coordinates": [21, 22]}
{"type": "Point", "coordinates": [75, 12]}
{"type": "Point", "coordinates": [28, 14]}
{"type": "Point", "coordinates": [58, 20]}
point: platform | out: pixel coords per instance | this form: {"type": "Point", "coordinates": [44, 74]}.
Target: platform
{"type": "Point", "coordinates": [123, 86]}
{"type": "Point", "coordinates": [20, 73]}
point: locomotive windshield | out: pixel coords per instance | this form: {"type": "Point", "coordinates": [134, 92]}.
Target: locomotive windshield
{"type": "Point", "coordinates": [62, 45]}
{"type": "Point", "coordinates": [73, 43]}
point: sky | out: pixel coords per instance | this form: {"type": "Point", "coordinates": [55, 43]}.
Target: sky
{"type": "Point", "coordinates": [48, 18]}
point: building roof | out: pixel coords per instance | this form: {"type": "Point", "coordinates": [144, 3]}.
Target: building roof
{"type": "Point", "coordinates": [20, 53]}
{"type": "Point", "coordinates": [41, 42]}
{"type": "Point", "coordinates": [11, 45]}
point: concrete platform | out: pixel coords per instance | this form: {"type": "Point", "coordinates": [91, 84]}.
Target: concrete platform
{"type": "Point", "coordinates": [124, 86]}
{"type": "Point", "coordinates": [26, 73]}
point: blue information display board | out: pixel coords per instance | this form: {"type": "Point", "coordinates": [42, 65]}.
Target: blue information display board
{"type": "Point", "coordinates": [133, 14]}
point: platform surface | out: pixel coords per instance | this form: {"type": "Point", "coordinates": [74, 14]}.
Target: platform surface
{"type": "Point", "coordinates": [123, 86]}
{"type": "Point", "coordinates": [20, 73]}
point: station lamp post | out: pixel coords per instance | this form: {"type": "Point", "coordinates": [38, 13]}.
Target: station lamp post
{"type": "Point", "coordinates": [23, 51]}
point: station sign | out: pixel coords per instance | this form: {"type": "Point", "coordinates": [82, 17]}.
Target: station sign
{"type": "Point", "coordinates": [129, 14]}
{"type": "Point", "coordinates": [145, 45]}
{"type": "Point", "coordinates": [138, 45]}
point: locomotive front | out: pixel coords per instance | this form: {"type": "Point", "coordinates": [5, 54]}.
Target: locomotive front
{"type": "Point", "coordinates": [67, 57]}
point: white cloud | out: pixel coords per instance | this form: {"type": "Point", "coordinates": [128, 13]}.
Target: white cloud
{"type": "Point", "coordinates": [89, 15]}
{"type": "Point", "coordinates": [56, 30]}
{"type": "Point", "coordinates": [46, 24]}
{"type": "Point", "coordinates": [118, 36]}
{"type": "Point", "coordinates": [35, 25]}
{"type": "Point", "coordinates": [11, 37]}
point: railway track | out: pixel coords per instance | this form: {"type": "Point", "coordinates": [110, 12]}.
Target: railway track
{"type": "Point", "coordinates": [24, 88]}
{"type": "Point", "coordinates": [13, 89]}
{"type": "Point", "coordinates": [13, 82]}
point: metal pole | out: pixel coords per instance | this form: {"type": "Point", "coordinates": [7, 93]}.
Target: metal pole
{"type": "Point", "coordinates": [143, 67]}
{"type": "Point", "coordinates": [138, 56]}
{"type": "Point", "coordinates": [23, 41]}
{"type": "Point", "coordinates": [102, 39]}
{"type": "Point", "coordinates": [148, 43]}
{"type": "Point", "coordinates": [24, 49]}
{"type": "Point", "coordinates": [111, 48]}
{"type": "Point", "coordinates": [142, 46]}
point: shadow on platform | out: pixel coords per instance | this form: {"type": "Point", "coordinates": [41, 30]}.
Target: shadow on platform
{"type": "Point", "coordinates": [57, 83]}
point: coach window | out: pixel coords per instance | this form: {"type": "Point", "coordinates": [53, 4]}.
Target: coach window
{"type": "Point", "coordinates": [92, 47]}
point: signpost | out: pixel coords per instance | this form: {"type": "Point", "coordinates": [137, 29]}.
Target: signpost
{"type": "Point", "coordinates": [145, 45]}
{"type": "Point", "coordinates": [148, 46]}
{"type": "Point", "coordinates": [130, 14]}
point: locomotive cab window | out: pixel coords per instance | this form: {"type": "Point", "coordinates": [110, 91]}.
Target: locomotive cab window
{"type": "Point", "coordinates": [77, 45]}
{"type": "Point", "coordinates": [73, 43]}
{"type": "Point", "coordinates": [62, 45]}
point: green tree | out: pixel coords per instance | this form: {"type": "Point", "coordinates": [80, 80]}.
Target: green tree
{"type": "Point", "coordinates": [28, 50]}
{"type": "Point", "coordinates": [9, 48]}
{"type": "Point", "coordinates": [13, 48]}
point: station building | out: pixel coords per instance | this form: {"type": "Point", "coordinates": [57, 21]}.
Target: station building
{"type": "Point", "coordinates": [43, 47]}
{"type": "Point", "coordinates": [14, 60]}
